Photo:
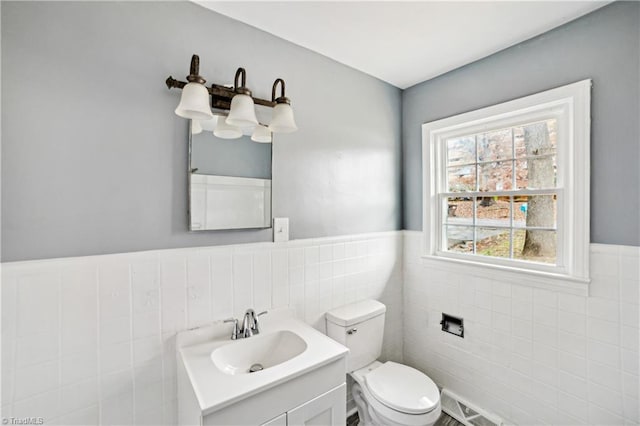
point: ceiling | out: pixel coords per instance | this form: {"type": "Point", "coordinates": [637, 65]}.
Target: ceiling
{"type": "Point", "coordinates": [404, 43]}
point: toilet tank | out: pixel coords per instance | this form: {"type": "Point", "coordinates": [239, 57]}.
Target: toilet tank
{"type": "Point", "coordinates": [360, 327]}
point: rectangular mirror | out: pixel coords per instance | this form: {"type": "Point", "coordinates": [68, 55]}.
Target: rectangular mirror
{"type": "Point", "coordinates": [229, 183]}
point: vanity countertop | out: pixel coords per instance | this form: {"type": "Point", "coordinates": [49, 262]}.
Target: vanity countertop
{"type": "Point", "coordinates": [215, 389]}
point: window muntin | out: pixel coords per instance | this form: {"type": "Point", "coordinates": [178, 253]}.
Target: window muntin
{"type": "Point", "coordinates": [489, 209]}
{"type": "Point", "coordinates": [505, 175]}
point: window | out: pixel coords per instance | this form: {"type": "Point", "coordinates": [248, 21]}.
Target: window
{"type": "Point", "coordinates": [507, 187]}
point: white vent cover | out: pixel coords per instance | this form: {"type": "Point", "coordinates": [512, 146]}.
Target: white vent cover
{"type": "Point", "coordinates": [465, 412]}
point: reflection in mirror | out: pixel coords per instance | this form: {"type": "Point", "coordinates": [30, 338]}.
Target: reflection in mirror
{"type": "Point", "coordinates": [229, 182]}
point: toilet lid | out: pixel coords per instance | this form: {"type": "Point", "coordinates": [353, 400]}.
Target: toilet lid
{"type": "Point", "coordinates": [403, 388]}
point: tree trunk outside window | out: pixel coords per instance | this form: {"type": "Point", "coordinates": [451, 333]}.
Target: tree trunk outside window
{"type": "Point", "coordinates": [540, 208]}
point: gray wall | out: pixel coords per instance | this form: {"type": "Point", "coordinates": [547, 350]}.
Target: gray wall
{"type": "Point", "coordinates": [94, 159]}
{"type": "Point", "coordinates": [604, 46]}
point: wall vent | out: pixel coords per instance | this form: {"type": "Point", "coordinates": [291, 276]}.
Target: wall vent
{"type": "Point", "coordinates": [465, 412]}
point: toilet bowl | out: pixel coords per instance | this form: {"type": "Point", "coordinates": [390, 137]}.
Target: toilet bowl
{"type": "Point", "coordinates": [386, 394]}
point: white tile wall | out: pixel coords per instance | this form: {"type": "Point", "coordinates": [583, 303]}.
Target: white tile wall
{"type": "Point", "coordinates": [532, 356]}
{"type": "Point", "coordinates": [90, 340]}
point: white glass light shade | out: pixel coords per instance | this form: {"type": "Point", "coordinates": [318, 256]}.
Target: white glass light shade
{"type": "Point", "coordinates": [196, 128]}
{"type": "Point", "coordinates": [226, 131]}
{"type": "Point", "coordinates": [261, 134]}
{"type": "Point", "coordinates": [194, 103]}
{"type": "Point", "coordinates": [243, 112]}
{"type": "Point", "coordinates": [210, 125]}
{"type": "Point", "coordinates": [282, 121]}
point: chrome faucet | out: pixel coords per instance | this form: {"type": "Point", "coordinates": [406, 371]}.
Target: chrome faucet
{"type": "Point", "coordinates": [249, 325]}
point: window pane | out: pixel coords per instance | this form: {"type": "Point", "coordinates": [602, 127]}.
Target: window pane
{"type": "Point", "coordinates": [535, 139]}
{"type": "Point", "coordinates": [459, 238]}
{"type": "Point", "coordinates": [461, 150]}
{"type": "Point", "coordinates": [493, 242]}
{"type": "Point", "coordinates": [536, 172]}
{"type": "Point", "coordinates": [496, 176]}
{"type": "Point", "coordinates": [534, 245]}
{"type": "Point", "coordinates": [461, 179]}
{"type": "Point", "coordinates": [493, 211]}
{"type": "Point", "coordinates": [495, 145]}
{"type": "Point", "coordinates": [535, 211]}
{"type": "Point", "coordinates": [460, 210]}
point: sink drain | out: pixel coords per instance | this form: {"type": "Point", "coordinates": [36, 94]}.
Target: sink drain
{"type": "Point", "coordinates": [256, 367]}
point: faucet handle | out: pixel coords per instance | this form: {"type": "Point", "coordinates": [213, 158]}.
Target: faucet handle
{"type": "Point", "coordinates": [236, 329]}
{"type": "Point", "coordinates": [256, 329]}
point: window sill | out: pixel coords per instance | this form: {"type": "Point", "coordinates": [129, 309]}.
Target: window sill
{"type": "Point", "coordinates": [512, 275]}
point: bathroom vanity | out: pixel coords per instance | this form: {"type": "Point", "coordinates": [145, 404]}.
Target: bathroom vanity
{"type": "Point", "coordinates": [300, 378]}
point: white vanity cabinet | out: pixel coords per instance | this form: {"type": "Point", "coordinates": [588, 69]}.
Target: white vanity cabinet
{"type": "Point", "coordinates": [303, 382]}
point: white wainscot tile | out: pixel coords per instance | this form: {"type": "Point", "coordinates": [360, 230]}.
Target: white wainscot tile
{"type": "Point", "coordinates": [296, 257]}
{"type": "Point", "coordinates": [603, 353]}
{"type": "Point", "coordinates": [117, 410]}
{"type": "Point", "coordinates": [604, 309]}
{"type": "Point", "coordinates": [605, 398]}
{"type": "Point", "coordinates": [522, 309]}
{"type": "Point", "coordinates": [115, 357]}
{"type": "Point", "coordinates": [605, 288]}
{"type": "Point", "coordinates": [280, 268]}
{"type": "Point", "coordinates": [573, 385]}
{"type": "Point", "coordinates": [38, 304]}
{"type": "Point", "coordinates": [36, 379]}
{"type": "Point", "coordinates": [572, 364]}
{"type": "Point", "coordinates": [145, 286]}
{"type": "Point", "coordinates": [262, 285]}
{"type": "Point", "coordinates": [572, 323]}
{"type": "Point", "coordinates": [173, 272]}
{"type": "Point", "coordinates": [146, 349]}
{"type": "Point", "coordinates": [146, 324]}
{"type": "Point", "coordinates": [572, 343]}
{"type": "Point", "coordinates": [575, 407]}
{"type": "Point", "coordinates": [198, 291]}
{"type": "Point", "coordinates": [545, 315]}
{"type": "Point", "coordinates": [572, 303]}
{"type": "Point", "coordinates": [630, 267]}
{"type": "Point", "coordinates": [604, 265]}
{"type": "Point", "coordinates": [78, 396]}
{"type": "Point", "coordinates": [46, 405]}
{"type": "Point", "coordinates": [221, 286]}
{"type": "Point", "coordinates": [629, 338]}
{"type": "Point", "coordinates": [242, 283]}
{"type": "Point", "coordinates": [78, 367]}
{"type": "Point", "coordinates": [115, 384]}
{"type": "Point", "coordinates": [630, 291]}
{"type": "Point", "coordinates": [325, 253]}
{"type": "Point", "coordinates": [603, 331]}
{"type": "Point", "coordinates": [84, 417]}
{"type": "Point", "coordinates": [605, 376]}
{"type": "Point", "coordinates": [600, 416]}
{"type": "Point", "coordinates": [630, 314]}
{"type": "Point", "coordinates": [115, 330]}
{"type": "Point", "coordinates": [630, 361]}
{"type": "Point", "coordinates": [36, 348]}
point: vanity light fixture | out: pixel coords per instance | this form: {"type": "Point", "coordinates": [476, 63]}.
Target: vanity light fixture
{"type": "Point", "coordinates": [282, 121]}
{"type": "Point", "coordinates": [197, 100]}
{"type": "Point", "coordinates": [224, 130]}
{"type": "Point", "coordinates": [261, 134]}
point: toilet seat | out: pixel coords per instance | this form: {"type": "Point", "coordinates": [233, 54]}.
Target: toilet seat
{"type": "Point", "coordinates": [402, 388]}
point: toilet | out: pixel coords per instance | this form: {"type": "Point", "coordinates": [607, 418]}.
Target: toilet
{"type": "Point", "coordinates": [386, 394]}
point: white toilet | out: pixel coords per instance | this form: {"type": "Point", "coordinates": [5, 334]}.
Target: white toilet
{"type": "Point", "coordinates": [386, 394]}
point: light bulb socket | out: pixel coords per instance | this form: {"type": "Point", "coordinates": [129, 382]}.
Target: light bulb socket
{"type": "Point", "coordinates": [241, 88]}
{"type": "Point", "coordinates": [282, 99]}
{"type": "Point", "coordinates": [194, 70]}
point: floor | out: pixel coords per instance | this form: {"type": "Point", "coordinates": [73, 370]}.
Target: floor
{"type": "Point", "coordinates": [444, 420]}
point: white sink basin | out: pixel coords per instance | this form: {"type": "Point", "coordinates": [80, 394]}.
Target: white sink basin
{"type": "Point", "coordinates": [262, 351]}
{"type": "Point", "coordinates": [217, 367]}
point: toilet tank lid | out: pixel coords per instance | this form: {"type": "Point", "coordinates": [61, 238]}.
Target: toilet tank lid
{"type": "Point", "coordinates": [355, 313]}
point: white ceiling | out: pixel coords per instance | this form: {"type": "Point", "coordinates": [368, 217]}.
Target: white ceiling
{"type": "Point", "coordinates": [404, 43]}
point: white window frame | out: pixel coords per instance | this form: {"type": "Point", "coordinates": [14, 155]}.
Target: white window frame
{"type": "Point", "coordinates": [570, 105]}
